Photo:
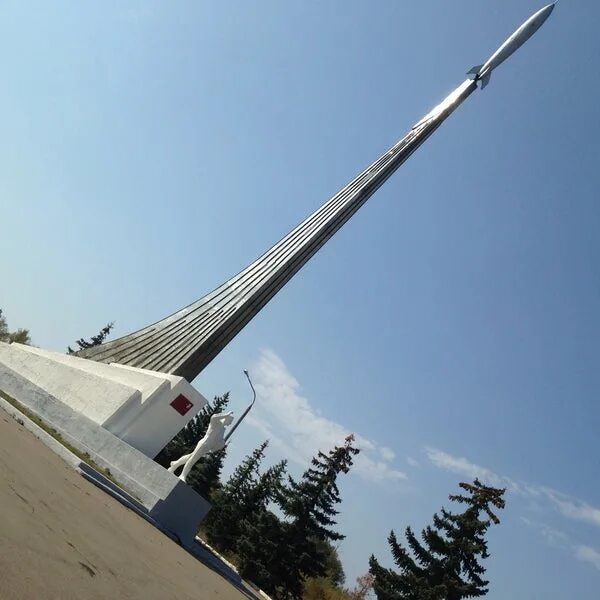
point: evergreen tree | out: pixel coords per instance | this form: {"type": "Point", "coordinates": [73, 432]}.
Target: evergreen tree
{"type": "Point", "coordinates": [242, 498]}
{"type": "Point", "coordinates": [205, 476]}
{"type": "Point", "coordinates": [266, 488]}
{"type": "Point", "coordinates": [445, 565]}
{"type": "Point", "coordinates": [334, 570]}
{"type": "Point", "coordinates": [330, 584]}
{"type": "Point", "coordinates": [260, 533]}
{"type": "Point", "coordinates": [310, 502]}
{"type": "Point", "coordinates": [309, 505]}
{"type": "Point", "coordinates": [95, 340]}
{"type": "Point", "coordinates": [259, 549]}
{"type": "Point", "coordinates": [20, 336]}
{"type": "Point", "coordinates": [3, 327]}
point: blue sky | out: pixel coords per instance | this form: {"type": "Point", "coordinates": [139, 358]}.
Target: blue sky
{"type": "Point", "coordinates": [151, 150]}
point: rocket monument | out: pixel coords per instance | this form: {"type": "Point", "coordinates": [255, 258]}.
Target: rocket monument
{"type": "Point", "coordinates": [185, 342]}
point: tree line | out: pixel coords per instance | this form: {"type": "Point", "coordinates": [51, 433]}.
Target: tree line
{"type": "Point", "coordinates": [19, 336]}
{"type": "Point", "coordinates": [280, 531]}
{"type": "Point", "coordinates": [22, 336]}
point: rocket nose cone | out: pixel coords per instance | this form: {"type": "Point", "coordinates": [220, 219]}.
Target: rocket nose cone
{"type": "Point", "coordinates": [547, 11]}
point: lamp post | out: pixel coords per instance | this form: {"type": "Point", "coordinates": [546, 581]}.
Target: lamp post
{"type": "Point", "coordinates": [247, 409]}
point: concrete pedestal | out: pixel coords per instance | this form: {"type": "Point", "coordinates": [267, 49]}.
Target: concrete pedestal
{"type": "Point", "coordinates": [171, 503]}
{"type": "Point", "coordinates": [121, 417]}
{"type": "Point", "coordinates": [144, 408]}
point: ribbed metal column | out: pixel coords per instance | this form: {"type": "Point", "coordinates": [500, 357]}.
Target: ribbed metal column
{"type": "Point", "coordinates": [188, 340]}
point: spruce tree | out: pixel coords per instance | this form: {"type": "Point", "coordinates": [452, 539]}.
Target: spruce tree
{"type": "Point", "coordinates": [235, 501]}
{"type": "Point", "coordinates": [95, 340]}
{"type": "Point", "coordinates": [258, 544]}
{"type": "Point", "coordinates": [3, 328]}
{"type": "Point", "coordinates": [240, 522]}
{"type": "Point", "coordinates": [334, 570]}
{"type": "Point", "coordinates": [309, 504]}
{"type": "Point", "coordinates": [266, 488]}
{"type": "Point", "coordinates": [260, 551]}
{"type": "Point", "coordinates": [205, 477]}
{"type": "Point", "coordinates": [445, 564]}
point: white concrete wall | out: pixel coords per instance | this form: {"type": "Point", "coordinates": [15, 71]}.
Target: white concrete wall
{"type": "Point", "coordinates": [147, 382]}
{"type": "Point", "coordinates": [133, 404]}
{"type": "Point", "coordinates": [94, 396]}
{"type": "Point", "coordinates": [158, 422]}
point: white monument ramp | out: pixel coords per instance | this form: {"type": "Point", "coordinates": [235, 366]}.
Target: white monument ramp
{"type": "Point", "coordinates": [144, 408]}
{"type": "Point", "coordinates": [121, 417]}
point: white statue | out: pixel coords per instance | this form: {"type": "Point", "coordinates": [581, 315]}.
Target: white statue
{"type": "Point", "coordinates": [213, 440]}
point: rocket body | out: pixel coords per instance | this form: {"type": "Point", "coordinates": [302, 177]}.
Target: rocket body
{"type": "Point", "coordinates": [512, 44]}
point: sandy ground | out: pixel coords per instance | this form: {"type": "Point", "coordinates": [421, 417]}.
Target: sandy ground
{"type": "Point", "coordinates": [63, 538]}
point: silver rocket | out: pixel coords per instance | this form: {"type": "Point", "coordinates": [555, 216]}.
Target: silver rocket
{"type": "Point", "coordinates": [185, 342]}
{"type": "Point", "coordinates": [512, 44]}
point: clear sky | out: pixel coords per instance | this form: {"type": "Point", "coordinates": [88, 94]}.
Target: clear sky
{"type": "Point", "coordinates": [151, 150]}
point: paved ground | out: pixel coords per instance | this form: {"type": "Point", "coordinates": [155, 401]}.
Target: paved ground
{"type": "Point", "coordinates": [61, 538]}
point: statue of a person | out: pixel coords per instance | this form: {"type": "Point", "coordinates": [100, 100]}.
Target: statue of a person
{"type": "Point", "coordinates": [213, 440]}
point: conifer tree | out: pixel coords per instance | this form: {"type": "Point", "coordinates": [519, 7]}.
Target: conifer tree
{"type": "Point", "coordinates": [445, 564]}
{"type": "Point", "coordinates": [267, 488]}
{"type": "Point", "coordinates": [3, 327]}
{"type": "Point", "coordinates": [205, 477]}
{"type": "Point", "coordinates": [244, 495]}
{"type": "Point", "coordinates": [309, 504]}
{"type": "Point", "coordinates": [334, 570]}
{"type": "Point", "coordinates": [259, 548]}
{"type": "Point", "coordinates": [95, 340]}
{"type": "Point", "coordinates": [260, 533]}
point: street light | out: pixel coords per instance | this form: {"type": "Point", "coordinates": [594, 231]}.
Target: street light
{"type": "Point", "coordinates": [247, 409]}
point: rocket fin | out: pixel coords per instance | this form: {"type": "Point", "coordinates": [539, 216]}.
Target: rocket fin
{"type": "Point", "coordinates": [475, 70]}
{"type": "Point", "coordinates": [485, 80]}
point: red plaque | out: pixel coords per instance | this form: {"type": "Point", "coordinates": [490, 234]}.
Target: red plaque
{"type": "Point", "coordinates": [181, 404]}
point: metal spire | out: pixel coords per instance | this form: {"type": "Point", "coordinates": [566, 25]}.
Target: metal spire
{"type": "Point", "coordinates": [185, 342]}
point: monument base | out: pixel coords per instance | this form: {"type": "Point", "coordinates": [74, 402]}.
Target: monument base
{"type": "Point", "coordinates": [172, 504]}
{"type": "Point", "coordinates": [144, 408]}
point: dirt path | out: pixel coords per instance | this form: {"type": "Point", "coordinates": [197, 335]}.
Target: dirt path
{"type": "Point", "coordinates": [61, 538]}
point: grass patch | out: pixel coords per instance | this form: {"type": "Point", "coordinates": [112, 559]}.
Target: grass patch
{"type": "Point", "coordinates": [84, 456]}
